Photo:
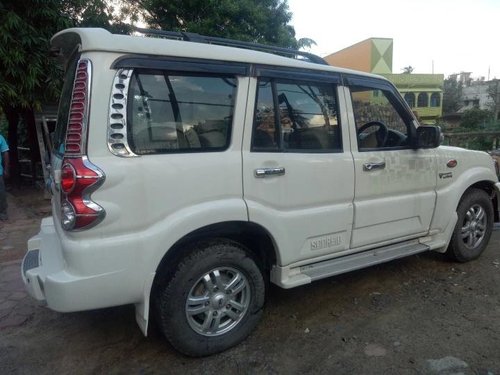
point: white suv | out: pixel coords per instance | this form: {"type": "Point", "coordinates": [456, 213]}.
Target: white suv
{"type": "Point", "coordinates": [186, 174]}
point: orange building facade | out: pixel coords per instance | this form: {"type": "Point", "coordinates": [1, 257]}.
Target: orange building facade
{"type": "Point", "coordinates": [422, 92]}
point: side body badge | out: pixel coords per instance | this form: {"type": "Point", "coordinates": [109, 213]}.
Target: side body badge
{"type": "Point", "coordinates": [445, 175]}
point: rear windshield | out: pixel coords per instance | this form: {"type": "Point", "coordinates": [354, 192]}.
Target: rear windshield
{"type": "Point", "coordinates": [64, 104]}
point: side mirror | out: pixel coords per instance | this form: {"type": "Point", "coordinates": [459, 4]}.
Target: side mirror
{"type": "Point", "coordinates": [428, 137]}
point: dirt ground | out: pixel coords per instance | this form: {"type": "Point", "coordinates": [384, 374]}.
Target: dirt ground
{"type": "Point", "coordinates": [418, 315]}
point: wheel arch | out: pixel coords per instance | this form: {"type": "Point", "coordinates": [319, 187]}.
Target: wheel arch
{"type": "Point", "coordinates": [489, 188]}
{"type": "Point", "coordinates": [470, 238]}
{"type": "Point", "coordinates": [448, 199]}
{"type": "Point", "coordinates": [251, 235]}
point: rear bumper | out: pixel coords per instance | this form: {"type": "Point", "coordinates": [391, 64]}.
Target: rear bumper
{"type": "Point", "coordinates": [52, 282]}
{"type": "Point", "coordinates": [35, 269]}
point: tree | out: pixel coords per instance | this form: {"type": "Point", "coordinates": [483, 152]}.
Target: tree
{"type": "Point", "coordinates": [260, 21]}
{"type": "Point", "coordinates": [408, 69]}
{"type": "Point", "coordinates": [452, 95]}
{"type": "Point", "coordinates": [97, 13]}
{"type": "Point", "coordinates": [28, 76]}
{"type": "Point", "coordinates": [475, 119]}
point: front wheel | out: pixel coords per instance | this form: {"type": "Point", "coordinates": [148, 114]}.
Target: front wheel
{"type": "Point", "coordinates": [474, 226]}
{"type": "Point", "coordinates": [214, 300]}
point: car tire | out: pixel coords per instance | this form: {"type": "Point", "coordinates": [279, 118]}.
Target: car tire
{"type": "Point", "coordinates": [213, 300]}
{"type": "Point", "coordinates": [474, 226]}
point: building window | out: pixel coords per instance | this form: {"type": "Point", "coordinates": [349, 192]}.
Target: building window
{"type": "Point", "coordinates": [410, 99]}
{"type": "Point", "coordinates": [423, 99]}
{"type": "Point", "coordinates": [435, 99]}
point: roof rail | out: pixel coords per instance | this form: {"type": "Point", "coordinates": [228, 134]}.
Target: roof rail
{"type": "Point", "coordinates": [193, 37]}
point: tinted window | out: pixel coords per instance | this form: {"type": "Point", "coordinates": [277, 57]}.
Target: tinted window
{"type": "Point", "coordinates": [265, 132]}
{"type": "Point", "coordinates": [296, 116]}
{"type": "Point", "coordinates": [179, 113]}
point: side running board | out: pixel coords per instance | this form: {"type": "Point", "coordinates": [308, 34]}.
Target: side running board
{"type": "Point", "coordinates": [287, 277]}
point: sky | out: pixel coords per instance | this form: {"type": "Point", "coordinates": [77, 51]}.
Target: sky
{"type": "Point", "coordinates": [453, 35]}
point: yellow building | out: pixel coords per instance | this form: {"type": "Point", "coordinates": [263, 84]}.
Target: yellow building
{"type": "Point", "coordinates": [422, 92]}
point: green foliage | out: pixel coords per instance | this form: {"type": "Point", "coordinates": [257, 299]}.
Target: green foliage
{"type": "Point", "coordinates": [476, 119]}
{"type": "Point", "coordinates": [475, 142]}
{"type": "Point", "coordinates": [260, 21]}
{"type": "Point", "coordinates": [28, 75]}
{"type": "Point", "coordinates": [470, 133]}
{"type": "Point", "coordinates": [97, 13]}
{"type": "Point", "coordinates": [452, 93]}
{"type": "Point", "coordinates": [305, 43]}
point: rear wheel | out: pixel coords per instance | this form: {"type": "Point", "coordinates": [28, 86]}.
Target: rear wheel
{"type": "Point", "coordinates": [214, 299]}
{"type": "Point", "coordinates": [474, 225]}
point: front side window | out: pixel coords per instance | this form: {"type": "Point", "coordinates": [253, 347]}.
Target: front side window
{"type": "Point", "coordinates": [171, 112]}
{"type": "Point", "coordinates": [296, 117]}
{"type": "Point", "coordinates": [379, 125]}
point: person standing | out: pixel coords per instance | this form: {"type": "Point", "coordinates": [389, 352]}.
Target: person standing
{"type": "Point", "coordinates": [4, 173]}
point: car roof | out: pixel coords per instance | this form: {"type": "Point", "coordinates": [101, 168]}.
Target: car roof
{"type": "Point", "coordinates": [97, 39]}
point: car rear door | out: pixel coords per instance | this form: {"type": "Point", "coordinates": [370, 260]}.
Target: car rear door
{"type": "Point", "coordinates": [297, 173]}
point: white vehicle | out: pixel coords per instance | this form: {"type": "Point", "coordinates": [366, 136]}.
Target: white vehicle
{"type": "Point", "coordinates": [187, 174]}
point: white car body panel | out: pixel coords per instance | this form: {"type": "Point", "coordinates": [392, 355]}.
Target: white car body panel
{"type": "Point", "coordinates": [389, 203]}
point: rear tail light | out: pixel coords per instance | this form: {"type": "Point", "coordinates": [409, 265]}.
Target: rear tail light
{"type": "Point", "coordinates": [79, 177]}
{"type": "Point", "coordinates": [76, 132]}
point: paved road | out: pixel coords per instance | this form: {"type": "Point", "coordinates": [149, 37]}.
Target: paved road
{"type": "Point", "coordinates": [418, 315]}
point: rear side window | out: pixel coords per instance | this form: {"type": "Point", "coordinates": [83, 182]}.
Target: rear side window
{"type": "Point", "coordinates": [296, 117]}
{"type": "Point", "coordinates": [173, 112]}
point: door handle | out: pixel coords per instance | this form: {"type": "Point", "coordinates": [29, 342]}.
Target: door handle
{"type": "Point", "coordinates": [264, 172]}
{"type": "Point", "coordinates": [371, 166]}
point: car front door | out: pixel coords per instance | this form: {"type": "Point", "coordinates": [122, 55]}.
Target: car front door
{"type": "Point", "coordinates": [298, 179]}
{"type": "Point", "coordinates": [395, 184]}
